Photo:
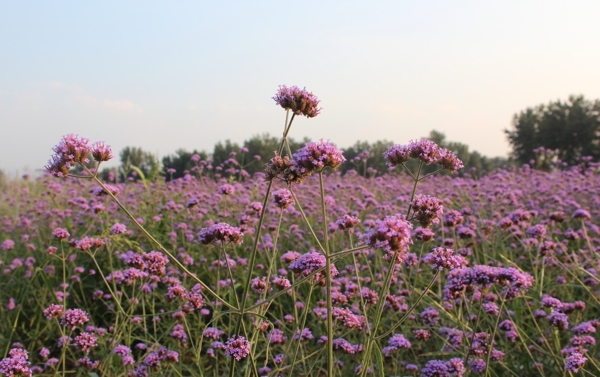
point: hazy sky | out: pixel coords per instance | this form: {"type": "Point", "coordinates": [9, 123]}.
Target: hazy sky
{"type": "Point", "coordinates": [180, 74]}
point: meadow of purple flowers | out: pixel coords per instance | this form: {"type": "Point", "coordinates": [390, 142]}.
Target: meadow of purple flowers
{"type": "Point", "coordinates": [301, 271]}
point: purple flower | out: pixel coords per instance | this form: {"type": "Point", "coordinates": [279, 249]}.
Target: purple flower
{"type": "Point", "coordinates": [423, 234]}
{"type": "Point", "coordinates": [449, 161]}
{"type": "Point", "coordinates": [396, 155]}
{"type": "Point", "coordinates": [427, 210]}
{"type": "Point", "coordinates": [283, 198]}
{"type": "Point", "coordinates": [477, 365]}
{"type": "Point", "coordinates": [60, 233]}
{"type": "Point", "coordinates": [73, 318]}
{"type": "Point", "coordinates": [581, 214]}
{"type": "Point", "coordinates": [313, 157]}
{"type": "Point", "coordinates": [7, 245]}
{"type": "Point", "coordinates": [430, 316]}
{"type": "Point", "coordinates": [453, 218]}
{"type": "Point", "coordinates": [347, 222]}
{"type": "Point", "coordinates": [392, 234]}
{"type": "Point", "coordinates": [396, 342]}
{"type": "Point", "coordinates": [122, 350]}
{"type": "Point", "coordinates": [16, 364]}
{"type": "Point", "coordinates": [310, 262]}
{"type": "Point", "coordinates": [237, 347]}
{"type": "Point", "coordinates": [537, 231]}
{"type": "Point", "coordinates": [213, 333]}
{"type": "Point", "coordinates": [86, 341]}
{"type": "Point", "coordinates": [303, 335]}
{"type": "Point", "coordinates": [53, 311]}
{"type": "Point", "coordinates": [558, 319]}
{"type": "Point", "coordinates": [299, 101]}
{"type": "Point", "coordinates": [574, 362]}
{"type": "Point", "coordinates": [222, 232]}
{"type": "Point", "coordinates": [118, 228]}
{"type": "Point", "coordinates": [226, 189]}
{"type": "Point", "coordinates": [443, 258]}
{"type": "Point", "coordinates": [276, 336]}
{"type": "Point", "coordinates": [70, 150]}
{"type": "Point", "coordinates": [101, 152]}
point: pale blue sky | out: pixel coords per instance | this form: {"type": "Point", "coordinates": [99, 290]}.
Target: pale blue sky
{"type": "Point", "coordinates": [163, 75]}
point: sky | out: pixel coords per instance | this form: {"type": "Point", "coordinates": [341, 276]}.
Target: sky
{"type": "Point", "coordinates": [164, 75]}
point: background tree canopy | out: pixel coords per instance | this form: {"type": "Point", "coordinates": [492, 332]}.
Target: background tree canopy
{"type": "Point", "coordinates": [570, 129]}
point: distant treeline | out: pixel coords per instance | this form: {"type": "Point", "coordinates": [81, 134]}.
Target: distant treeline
{"type": "Point", "coordinates": [230, 159]}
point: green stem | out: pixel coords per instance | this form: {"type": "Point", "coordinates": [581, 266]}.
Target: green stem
{"type": "Point", "coordinates": [327, 281]}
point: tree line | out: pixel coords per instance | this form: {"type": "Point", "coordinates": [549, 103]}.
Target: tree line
{"type": "Point", "coordinates": [544, 136]}
{"type": "Point", "coordinates": [230, 159]}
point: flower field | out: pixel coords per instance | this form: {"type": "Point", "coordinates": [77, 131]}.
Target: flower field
{"type": "Point", "coordinates": [301, 271]}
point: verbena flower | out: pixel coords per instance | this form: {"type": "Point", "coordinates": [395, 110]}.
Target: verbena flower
{"type": "Point", "coordinates": [310, 262]}
{"type": "Point", "coordinates": [574, 362]}
{"type": "Point", "coordinates": [101, 152]}
{"type": "Point", "coordinates": [426, 151]}
{"type": "Point", "coordinates": [444, 258]}
{"type": "Point", "coordinates": [73, 318]}
{"type": "Point", "coordinates": [427, 210]}
{"type": "Point", "coordinates": [221, 232]}
{"type": "Point", "coordinates": [283, 198]}
{"type": "Point", "coordinates": [71, 150]}
{"type": "Point", "coordinates": [237, 347]}
{"type": "Point", "coordinates": [299, 101]}
{"type": "Point", "coordinates": [392, 234]}
{"type": "Point", "coordinates": [16, 364]}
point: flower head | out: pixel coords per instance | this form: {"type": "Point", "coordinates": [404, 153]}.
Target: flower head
{"type": "Point", "coordinates": [69, 151]}
{"type": "Point", "coordinates": [314, 157]}
{"type": "Point", "coordinates": [222, 232]}
{"type": "Point", "coordinates": [299, 101]}
{"type": "Point", "coordinates": [237, 347]}
{"type": "Point", "coordinates": [392, 234]}
{"type": "Point", "coordinates": [427, 209]}
{"type": "Point", "coordinates": [101, 152]}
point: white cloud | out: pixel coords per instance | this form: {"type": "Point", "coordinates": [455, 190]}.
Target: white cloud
{"type": "Point", "coordinates": [122, 105]}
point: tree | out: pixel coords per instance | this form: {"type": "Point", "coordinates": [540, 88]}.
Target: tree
{"type": "Point", "coordinates": [180, 162]}
{"type": "Point", "coordinates": [136, 157]}
{"type": "Point", "coordinates": [571, 129]}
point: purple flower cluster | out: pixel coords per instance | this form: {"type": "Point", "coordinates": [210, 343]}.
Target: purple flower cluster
{"type": "Point", "coordinates": [392, 234]}
{"type": "Point", "coordinates": [443, 258]}
{"type": "Point", "coordinates": [221, 232]}
{"type": "Point", "coordinates": [307, 263]}
{"type": "Point", "coordinates": [314, 157]}
{"type": "Point", "coordinates": [16, 364]}
{"type": "Point", "coordinates": [283, 198]}
{"type": "Point", "coordinates": [72, 150]}
{"type": "Point", "coordinates": [396, 342]}
{"type": "Point", "coordinates": [347, 222]}
{"type": "Point", "coordinates": [73, 318]}
{"type": "Point", "coordinates": [513, 281]}
{"type": "Point", "coordinates": [424, 150]}
{"type": "Point", "coordinates": [439, 368]}
{"type": "Point", "coordinates": [299, 101]}
{"type": "Point", "coordinates": [427, 210]}
{"type": "Point", "coordinates": [237, 347]}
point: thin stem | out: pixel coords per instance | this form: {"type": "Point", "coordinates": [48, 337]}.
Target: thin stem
{"type": "Point", "coordinates": [327, 281]}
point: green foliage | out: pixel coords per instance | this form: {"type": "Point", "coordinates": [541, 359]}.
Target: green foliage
{"type": "Point", "coordinates": [368, 163]}
{"type": "Point", "coordinates": [571, 129]}
{"type": "Point", "coordinates": [473, 161]}
{"type": "Point", "coordinates": [180, 161]}
{"type": "Point", "coordinates": [144, 161]}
